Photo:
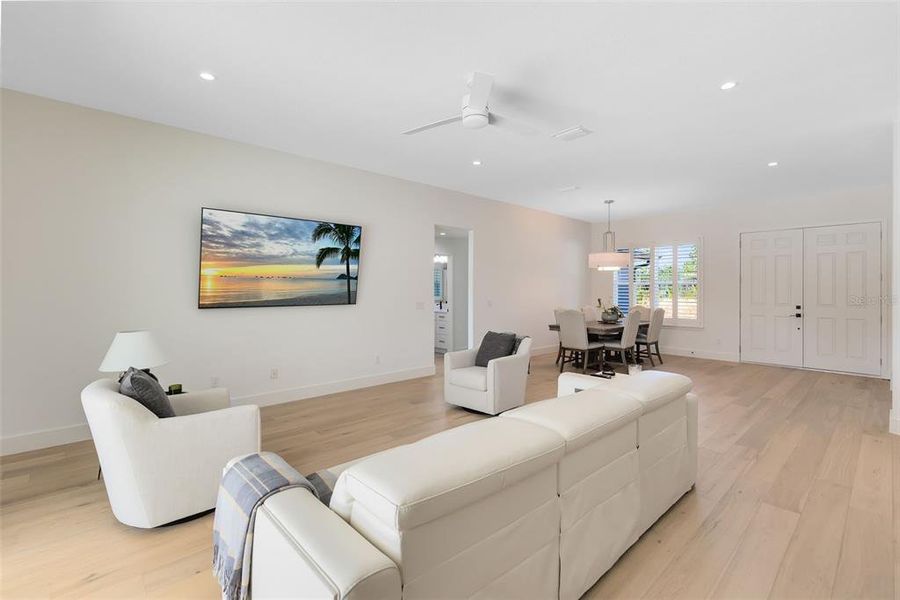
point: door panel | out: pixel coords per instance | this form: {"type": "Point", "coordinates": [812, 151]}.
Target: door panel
{"type": "Point", "coordinates": [842, 287]}
{"type": "Point", "coordinates": [771, 288]}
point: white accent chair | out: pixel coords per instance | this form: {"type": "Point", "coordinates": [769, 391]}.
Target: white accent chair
{"type": "Point", "coordinates": [160, 470]}
{"type": "Point", "coordinates": [493, 389]}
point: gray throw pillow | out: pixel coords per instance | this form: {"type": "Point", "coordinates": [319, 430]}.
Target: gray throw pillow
{"type": "Point", "coordinates": [518, 343]}
{"type": "Point", "coordinates": [494, 345]}
{"type": "Point", "coordinates": [144, 388]}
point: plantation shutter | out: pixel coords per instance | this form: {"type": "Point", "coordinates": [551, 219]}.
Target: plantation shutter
{"type": "Point", "coordinates": [688, 282]}
{"type": "Point", "coordinates": [640, 276]}
{"type": "Point", "coordinates": [664, 279]}
{"type": "Point", "coordinates": [622, 292]}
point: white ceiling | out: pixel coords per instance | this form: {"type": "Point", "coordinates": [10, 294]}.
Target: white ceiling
{"type": "Point", "coordinates": [818, 90]}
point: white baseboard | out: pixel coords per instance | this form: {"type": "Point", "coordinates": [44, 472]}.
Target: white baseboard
{"type": "Point", "coordinates": [45, 438]}
{"type": "Point", "coordinates": [894, 426]}
{"type": "Point", "coordinates": [332, 387]}
{"type": "Point", "coordinates": [726, 356]}
{"type": "Point", "coordinates": [537, 350]}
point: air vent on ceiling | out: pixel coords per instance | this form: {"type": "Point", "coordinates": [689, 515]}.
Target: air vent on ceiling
{"type": "Point", "coordinates": [572, 133]}
{"type": "Point", "coordinates": [569, 188]}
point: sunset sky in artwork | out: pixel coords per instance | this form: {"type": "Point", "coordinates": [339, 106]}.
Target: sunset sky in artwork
{"type": "Point", "coordinates": [239, 244]}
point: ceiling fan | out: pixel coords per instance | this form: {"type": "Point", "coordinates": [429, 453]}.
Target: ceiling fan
{"type": "Point", "coordinates": [475, 113]}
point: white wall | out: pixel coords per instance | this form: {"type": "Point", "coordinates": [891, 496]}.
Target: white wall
{"type": "Point", "coordinates": [895, 295]}
{"type": "Point", "coordinates": [100, 232]}
{"type": "Point", "coordinates": [720, 229]}
{"type": "Point", "coordinates": [458, 251]}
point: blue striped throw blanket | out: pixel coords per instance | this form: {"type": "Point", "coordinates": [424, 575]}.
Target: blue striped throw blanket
{"type": "Point", "coordinates": [245, 485]}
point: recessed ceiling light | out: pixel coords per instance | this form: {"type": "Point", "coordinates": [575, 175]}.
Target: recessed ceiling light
{"type": "Point", "coordinates": [774, 163]}
{"type": "Point", "coordinates": [443, 233]}
{"type": "Point", "coordinates": [207, 76]}
{"type": "Point", "coordinates": [476, 163]}
{"type": "Point", "coordinates": [728, 85]}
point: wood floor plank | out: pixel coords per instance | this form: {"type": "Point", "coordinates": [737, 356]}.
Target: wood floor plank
{"type": "Point", "coordinates": [752, 569]}
{"type": "Point", "coordinates": [867, 552]}
{"type": "Point", "coordinates": [792, 486]}
{"type": "Point", "coordinates": [697, 568]}
{"type": "Point", "coordinates": [811, 560]}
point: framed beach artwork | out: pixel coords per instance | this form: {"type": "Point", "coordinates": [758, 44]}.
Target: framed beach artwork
{"type": "Point", "coordinates": [249, 259]}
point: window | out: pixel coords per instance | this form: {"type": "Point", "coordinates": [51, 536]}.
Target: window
{"type": "Point", "coordinates": [621, 295]}
{"type": "Point", "coordinates": [663, 276]}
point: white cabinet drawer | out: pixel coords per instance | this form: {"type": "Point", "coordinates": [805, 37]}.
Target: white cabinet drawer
{"type": "Point", "coordinates": [441, 316]}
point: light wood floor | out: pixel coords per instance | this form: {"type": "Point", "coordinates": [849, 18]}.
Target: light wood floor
{"type": "Point", "coordinates": [797, 494]}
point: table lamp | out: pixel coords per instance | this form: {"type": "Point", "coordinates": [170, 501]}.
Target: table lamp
{"type": "Point", "coordinates": [136, 349]}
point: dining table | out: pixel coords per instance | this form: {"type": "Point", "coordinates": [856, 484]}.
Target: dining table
{"type": "Point", "coordinates": [603, 329]}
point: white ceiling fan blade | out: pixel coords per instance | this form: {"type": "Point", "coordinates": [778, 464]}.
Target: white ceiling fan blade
{"type": "Point", "coordinates": [479, 90]}
{"type": "Point", "coordinates": [446, 121]}
{"type": "Point", "coordinates": [513, 125]}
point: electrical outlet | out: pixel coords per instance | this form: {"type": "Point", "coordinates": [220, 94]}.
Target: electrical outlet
{"type": "Point", "coordinates": [273, 374]}
{"type": "Point", "coordinates": [214, 382]}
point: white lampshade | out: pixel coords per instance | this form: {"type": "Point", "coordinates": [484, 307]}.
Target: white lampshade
{"type": "Point", "coordinates": [609, 261]}
{"type": "Point", "coordinates": [136, 349]}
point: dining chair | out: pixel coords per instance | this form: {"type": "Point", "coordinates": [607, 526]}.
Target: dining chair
{"type": "Point", "coordinates": [651, 338]}
{"type": "Point", "coordinates": [559, 352]}
{"type": "Point", "coordinates": [590, 313]}
{"type": "Point", "coordinates": [625, 344]}
{"type": "Point", "coordinates": [644, 311]}
{"type": "Point", "coordinates": [574, 339]}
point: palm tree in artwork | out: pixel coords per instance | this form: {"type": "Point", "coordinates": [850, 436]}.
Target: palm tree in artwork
{"type": "Point", "coordinates": [346, 246]}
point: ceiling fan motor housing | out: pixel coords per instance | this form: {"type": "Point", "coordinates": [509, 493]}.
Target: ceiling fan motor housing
{"type": "Point", "coordinates": [473, 118]}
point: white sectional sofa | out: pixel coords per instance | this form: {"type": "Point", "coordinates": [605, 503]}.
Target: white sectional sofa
{"type": "Point", "coordinates": [536, 503]}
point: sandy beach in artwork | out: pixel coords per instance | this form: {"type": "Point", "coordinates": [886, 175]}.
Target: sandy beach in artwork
{"type": "Point", "coordinates": [317, 300]}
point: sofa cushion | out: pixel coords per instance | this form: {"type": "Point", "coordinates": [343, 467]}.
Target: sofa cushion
{"type": "Point", "coordinates": [494, 345]}
{"type": "Point", "coordinates": [474, 378]}
{"type": "Point", "coordinates": [143, 387]}
{"type": "Point", "coordinates": [652, 388]}
{"type": "Point", "coordinates": [580, 418]}
{"type": "Point", "coordinates": [419, 482]}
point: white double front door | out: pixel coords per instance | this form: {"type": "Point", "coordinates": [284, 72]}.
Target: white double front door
{"type": "Point", "coordinates": [812, 298]}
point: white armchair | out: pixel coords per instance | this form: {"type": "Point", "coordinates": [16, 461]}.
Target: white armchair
{"type": "Point", "coordinates": [160, 470]}
{"type": "Point", "coordinates": [493, 389]}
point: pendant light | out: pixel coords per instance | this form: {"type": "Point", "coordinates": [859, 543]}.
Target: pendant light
{"type": "Point", "coordinates": [608, 259]}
